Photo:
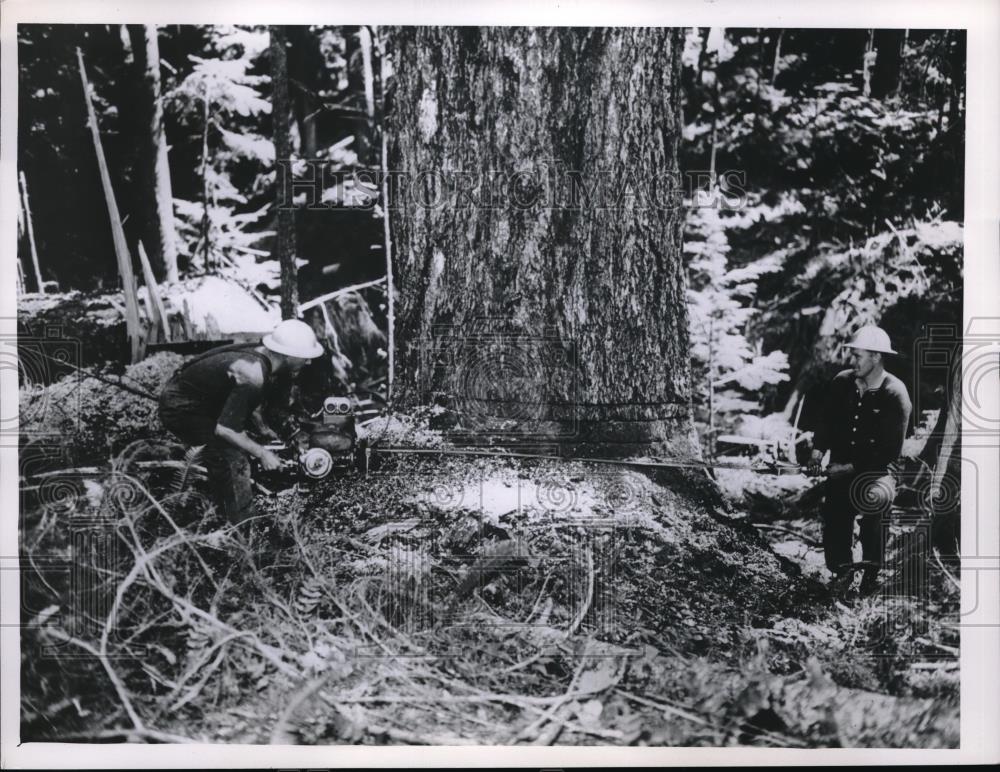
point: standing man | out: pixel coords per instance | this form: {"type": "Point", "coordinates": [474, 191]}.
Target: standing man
{"type": "Point", "coordinates": [209, 400]}
{"type": "Point", "coordinates": [863, 427]}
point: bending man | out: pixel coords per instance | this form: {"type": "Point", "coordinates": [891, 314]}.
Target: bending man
{"type": "Point", "coordinates": [209, 400]}
{"type": "Point", "coordinates": [863, 427]}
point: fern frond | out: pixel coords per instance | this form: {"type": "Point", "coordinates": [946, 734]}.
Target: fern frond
{"type": "Point", "coordinates": [183, 475]}
{"type": "Point", "coordinates": [310, 596]}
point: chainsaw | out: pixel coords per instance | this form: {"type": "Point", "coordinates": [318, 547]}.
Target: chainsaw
{"type": "Point", "coordinates": [331, 443]}
{"type": "Point", "coordinates": [320, 447]}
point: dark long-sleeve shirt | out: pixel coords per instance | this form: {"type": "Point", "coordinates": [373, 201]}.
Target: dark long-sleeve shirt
{"type": "Point", "coordinates": [866, 428]}
{"type": "Point", "coordinates": [222, 386]}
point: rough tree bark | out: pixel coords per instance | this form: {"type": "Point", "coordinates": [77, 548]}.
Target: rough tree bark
{"type": "Point", "coordinates": [943, 454]}
{"type": "Point", "coordinates": [284, 239]}
{"type": "Point", "coordinates": [534, 184]}
{"type": "Point", "coordinates": [155, 193]}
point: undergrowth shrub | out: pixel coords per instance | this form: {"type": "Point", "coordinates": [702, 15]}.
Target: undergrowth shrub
{"type": "Point", "coordinates": [94, 420]}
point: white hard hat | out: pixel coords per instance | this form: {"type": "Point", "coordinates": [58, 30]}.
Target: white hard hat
{"type": "Point", "coordinates": [293, 338]}
{"type": "Point", "coordinates": [872, 338]}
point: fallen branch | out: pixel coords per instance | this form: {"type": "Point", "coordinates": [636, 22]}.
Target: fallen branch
{"type": "Point", "coordinates": [797, 534]}
{"type": "Point", "coordinates": [778, 739]}
{"type": "Point", "coordinates": [177, 529]}
{"type": "Point", "coordinates": [511, 699]}
{"type": "Point", "coordinates": [195, 690]}
{"type": "Point", "coordinates": [535, 725]}
{"type": "Point", "coordinates": [270, 653]}
{"type": "Point", "coordinates": [950, 649]}
{"type": "Point", "coordinates": [281, 734]}
{"type": "Point", "coordinates": [948, 574]}
{"type": "Point", "coordinates": [116, 682]}
{"type": "Point", "coordinates": [590, 595]}
{"type": "Point", "coordinates": [138, 734]}
{"type": "Point", "coordinates": [156, 581]}
{"type": "Point", "coordinates": [336, 293]}
{"type": "Point", "coordinates": [412, 738]}
{"type": "Point", "coordinates": [543, 652]}
{"type": "Point", "coordinates": [101, 651]}
{"type": "Point", "coordinates": [667, 707]}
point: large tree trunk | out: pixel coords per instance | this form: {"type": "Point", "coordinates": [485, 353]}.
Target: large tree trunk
{"type": "Point", "coordinates": [156, 200]}
{"type": "Point", "coordinates": [305, 63]}
{"type": "Point", "coordinates": [943, 454]}
{"type": "Point", "coordinates": [586, 341]}
{"type": "Point", "coordinates": [284, 239]}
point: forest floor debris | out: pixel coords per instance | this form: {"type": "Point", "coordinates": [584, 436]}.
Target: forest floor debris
{"type": "Point", "coordinates": [604, 608]}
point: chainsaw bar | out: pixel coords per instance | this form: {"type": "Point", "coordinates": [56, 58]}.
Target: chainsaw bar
{"type": "Point", "coordinates": [317, 463]}
{"type": "Point", "coordinates": [771, 468]}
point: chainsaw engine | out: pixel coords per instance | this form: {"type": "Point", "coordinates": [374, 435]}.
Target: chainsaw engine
{"type": "Point", "coordinates": [322, 446]}
{"type": "Point", "coordinates": [330, 442]}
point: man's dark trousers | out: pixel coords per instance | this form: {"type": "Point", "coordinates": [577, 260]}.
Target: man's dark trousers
{"type": "Point", "coordinates": [228, 467]}
{"type": "Point", "coordinates": [867, 495]}
{"type": "Point", "coordinates": [229, 475]}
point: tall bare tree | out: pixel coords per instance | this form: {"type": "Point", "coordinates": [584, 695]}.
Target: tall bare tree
{"type": "Point", "coordinates": [534, 185]}
{"type": "Point", "coordinates": [284, 239]}
{"type": "Point", "coordinates": [153, 172]}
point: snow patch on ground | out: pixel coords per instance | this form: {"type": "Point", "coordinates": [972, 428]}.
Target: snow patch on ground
{"type": "Point", "coordinates": [940, 234]}
{"type": "Point", "coordinates": [31, 303]}
{"type": "Point", "coordinates": [232, 306]}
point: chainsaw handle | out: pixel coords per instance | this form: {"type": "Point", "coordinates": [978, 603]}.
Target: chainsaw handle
{"type": "Point", "coordinates": [279, 447]}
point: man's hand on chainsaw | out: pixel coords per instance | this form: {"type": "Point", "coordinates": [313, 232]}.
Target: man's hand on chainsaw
{"type": "Point", "coordinates": [259, 427]}
{"type": "Point", "coordinates": [839, 470]}
{"type": "Point", "coordinates": [269, 460]}
{"type": "Point", "coordinates": [815, 466]}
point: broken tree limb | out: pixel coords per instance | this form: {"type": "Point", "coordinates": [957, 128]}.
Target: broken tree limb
{"type": "Point", "coordinates": [317, 301]}
{"type": "Point", "coordinates": [31, 233]}
{"type": "Point", "coordinates": [163, 191]}
{"type": "Point", "coordinates": [365, 43]}
{"type": "Point", "coordinates": [21, 227]}
{"type": "Point", "coordinates": [797, 534]}
{"type": "Point", "coordinates": [529, 732]}
{"type": "Point", "coordinates": [133, 327]}
{"type": "Point", "coordinates": [137, 734]}
{"type": "Point", "coordinates": [590, 595]}
{"type": "Point", "coordinates": [390, 304]}
{"type": "Point", "coordinates": [156, 307]}
{"type": "Point", "coordinates": [101, 655]}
